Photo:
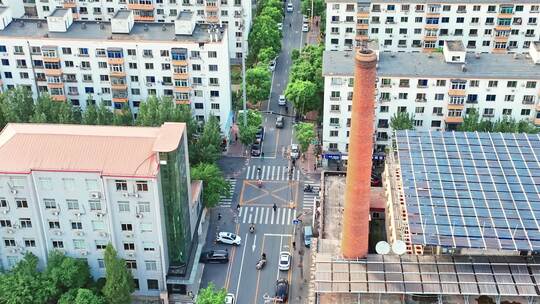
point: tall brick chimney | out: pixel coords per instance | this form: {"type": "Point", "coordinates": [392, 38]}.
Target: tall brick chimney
{"type": "Point", "coordinates": [354, 243]}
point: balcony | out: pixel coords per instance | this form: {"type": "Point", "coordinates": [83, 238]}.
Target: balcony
{"type": "Point", "coordinates": [118, 74]}
{"type": "Point", "coordinates": [180, 75]}
{"type": "Point", "coordinates": [144, 18]}
{"type": "Point", "coordinates": [119, 98]}
{"type": "Point", "coordinates": [69, 4]}
{"type": "Point", "coordinates": [456, 92]}
{"type": "Point", "coordinates": [179, 62]}
{"type": "Point", "coordinates": [430, 38]}
{"type": "Point", "coordinates": [538, 107]}
{"type": "Point", "coordinates": [362, 26]}
{"type": "Point", "coordinates": [119, 86]}
{"type": "Point", "coordinates": [453, 119]}
{"type": "Point", "coordinates": [500, 27]}
{"type": "Point", "coordinates": [139, 6]}
{"type": "Point", "coordinates": [59, 97]}
{"type": "Point", "coordinates": [505, 15]}
{"type": "Point", "coordinates": [499, 51]}
{"type": "Point", "coordinates": [211, 8]}
{"type": "Point", "coordinates": [182, 101]}
{"type": "Point", "coordinates": [528, 102]}
{"type": "Point", "coordinates": [361, 37]}
{"type": "Point", "coordinates": [114, 61]}
{"type": "Point", "coordinates": [452, 106]}
{"type": "Point", "coordinates": [53, 72]}
{"type": "Point", "coordinates": [55, 85]}
{"type": "Point", "coordinates": [51, 59]}
{"type": "Point", "coordinates": [182, 89]}
{"type": "Point", "coordinates": [537, 121]}
{"type": "Point", "coordinates": [212, 19]}
{"type": "Point", "coordinates": [421, 100]}
{"type": "Point", "coordinates": [433, 14]}
{"type": "Point", "coordinates": [431, 26]}
{"type": "Point", "coordinates": [501, 38]}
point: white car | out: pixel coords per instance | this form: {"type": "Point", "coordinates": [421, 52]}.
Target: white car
{"type": "Point", "coordinates": [282, 101]}
{"type": "Point", "coordinates": [229, 298]}
{"type": "Point", "coordinates": [305, 19]}
{"type": "Point", "coordinates": [284, 260]}
{"type": "Point", "coordinates": [289, 7]}
{"type": "Point", "coordinates": [305, 27]}
{"type": "Point", "coordinates": [228, 238]}
{"type": "Point", "coordinates": [280, 26]}
{"type": "Point", "coordinates": [295, 151]}
{"type": "Point", "coordinates": [272, 65]}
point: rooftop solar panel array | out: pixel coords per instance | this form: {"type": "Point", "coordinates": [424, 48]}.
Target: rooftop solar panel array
{"type": "Point", "coordinates": [470, 189]}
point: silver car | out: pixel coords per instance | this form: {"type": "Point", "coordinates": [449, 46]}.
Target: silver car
{"type": "Point", "coordinates": [295, 151]}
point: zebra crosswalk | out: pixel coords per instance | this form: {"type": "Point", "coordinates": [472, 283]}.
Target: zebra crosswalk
{"type": "Point", "coordinates": [310, 197]}
{"type": "Point", "coordinates": [271, 172]}
{"type": "Point", "coordinates": [266, 215]}
{"type": "Point", "coordinates": [227, 201]}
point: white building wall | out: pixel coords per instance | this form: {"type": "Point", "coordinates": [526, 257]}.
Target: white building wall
{"type": "Point", "coordinates": [525, 104]}
{"type": "Point", "coordinates": [33, 75]}
{"type": "Point", "coordinates": [402, 27]}
{"type": "Point", "coordinates": [228, 11]}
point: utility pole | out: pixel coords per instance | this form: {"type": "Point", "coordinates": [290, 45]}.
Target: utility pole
{"type": "Point", "coordinates": [244, 52]}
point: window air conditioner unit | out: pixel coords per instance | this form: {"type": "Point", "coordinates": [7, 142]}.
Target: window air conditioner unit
{"type": "Point", "coordinates": [56, 213]}
{"type": "Point", "coordinates": [103, 234]}
{"type": "Point", "coordinates": [137, 195]}
{"type": "Point", "coordinates": [139, 215]}
{"type": "Point", "coordinates": [78, 214]}
{"type": "Point", "coordinates": [95, 195]}
{"type": "Point", "coordinates": [125, 194]}
{"type": "Point", "coordinates": [80, 233]}
{"type": "Point", "coordinates": [58, 232]}
{"type": "Point", "coordinates": [13, 191]}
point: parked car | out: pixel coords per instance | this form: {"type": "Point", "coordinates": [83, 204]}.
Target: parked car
{"type": "Point", "coordinates": [260, 134]}
{"type": "Point", "coordinates": [295, 151]}
{"type": "Point", "coordinates": [280, 26]}
{"type": "Point", "coordinates": [305, 27]}
{"type": "Point", "coordinates": [280, 120]}
{"type": "Point", "coordinates": [308, 234]}
{"type": "Point", "coordinates": [290, 7]}
{"type": "Point", "coordinates": [272, 65]}
{"type": "Point", "coordinates": [215, 256]}
{"type": "Point", "coordinates": [228, 238]}
{"type": "Point", "coordinates": [305, 19]}
{"type": "Point", "coordinates": [284, 260]}
{"type": "Point", "coordinates": [282, 101]}
{"type": "Point", "coordinates": [229, 299]}
{"type": "Point", "coordinates": [256, 149]}
{"type": "Point", "coordinates": [282, 290]}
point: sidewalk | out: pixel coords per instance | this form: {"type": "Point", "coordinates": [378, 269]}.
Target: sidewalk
{"type": "Point", "coordinates": [308, 163]}
{"type": "Point", "coordinates": [314, 34]}
{"type": "Point", "coordinates": [235, 148]}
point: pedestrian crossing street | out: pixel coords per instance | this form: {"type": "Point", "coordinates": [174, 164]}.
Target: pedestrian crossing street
{"type": "Point", "coordinates": [266, 215]}
{"type": "Point", "coordinates": [227, 201]}
{"type": "Point", "coordinates": [310, 197]}
{"type": "Point", "coordinates": [271, 172]}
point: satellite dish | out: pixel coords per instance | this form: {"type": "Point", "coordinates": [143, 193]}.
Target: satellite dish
{"type": "Point", "coordinates": [399, 247]}
{"type": "Point", "coordinates": [382, 247]}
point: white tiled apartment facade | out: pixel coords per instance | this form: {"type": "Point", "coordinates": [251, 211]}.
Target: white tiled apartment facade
{"type": "Point", "coordinates": [483, 26]}
{"type": "Point", "coordinates": [437, 103]}
{"type": "Point", "coordinates": [119, 63]}
{"type": "Point", "coordinates": [79, 211]}
{"type": "Point", "coordinates": [235, 14]}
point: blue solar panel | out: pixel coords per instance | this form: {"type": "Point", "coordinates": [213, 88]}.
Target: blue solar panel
{"type": "Point", "coordinates": [476, 190]}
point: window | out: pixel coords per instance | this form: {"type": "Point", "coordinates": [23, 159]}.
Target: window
{"type": "Point", "coordinates": [148, 246]}
{"type": "Point", "coordinates": [151, 265]}
{"type": "Point", "coordinates": [491, 97]}
{"type": "Point", "coordinates": [472, 98]}
{"type": "Point", "coordinates": [54, 225]}
{"type": "Point", "coordinates": [458, 85]}
{"type": "Point", "coordinates": [493, 83]}
{"type": "Point", "coordinates": [126, 227]}
{"type": "Point", "coordinates": [76, 225]}
{"type": "Point", "coordinates": [79, 244]}
{"type": "Point", "coordinates": [435, 123]}
{"type": "Point", "coordinates": [334, 133]}
{"type": "Point", "coordinates": [123, 206]}
{"type": "Point", "coordinates": [3, 203]}
{"type": "Point", "coordinates": [49, 203]}
{"type": "Point", "coordinates": [404, 83]}
{"type": "Point", "coordinates": [418, 123]}
{"type": "Point", "coordinates": [129, 246]}
{"type": "Point", "coordinates": [422, 83]}
{"type": "Point", "coordinates": [21, 203]}
{"type": "Point", "coordinates": [511, 84]}
{"type": "Point", "coordinates": [530, 84]}
{"type": "Point", "coordinates": [474, 83]}
{"type": "Point", "coordinates": [94, 205]}
{"type": "Point", "coordinates": [131, 264]}
{"type": "Point", "coordinates": [525, 112]}
{"type": "Point", "coordinates": [439, 96]}
{"type": "Point", "coordinates": [147, 53]}
{"type": "Point", "coordinates": [419, 110]}
{"type": "Point", "coordinates": [58, 244]}
{"type": "Point", "coordinates": [334, 121]}
{"type": "Point", "coordinates": [142, 186]}
{"type": "Point", "coordinates": [528, 99]}
{"type": "Point", "coordinates": [9, 243]}
{"type": "Point", "coordinates": [98, 225]}
{"type": "Point", "coordinates": [214, 93]}
{"type": "Point", "coordinates": [509, 98]}
{"type": "Point", "coordinates": [146, 227]}
{"type": "Point", "coordinates": [489, 112]}
{"type": "Point", "coordinates": [5, 223]}
{"type": "Point", "coordinates": [91, 185]}
{"type": "Point", "coordinates": [152, 284]}
{"type": "Point", "coordinates": [212, 67]}
{"type": "Point", "coordinates": [403, 95]}
{"type": "Point", "coordinates": [507, 112]}
{"type": "Point", "coordinates": [121, 185]}
{"type": "Point", "coordinates": [437, 110]}
{"type": "Point", "coordinates": [29, 243]}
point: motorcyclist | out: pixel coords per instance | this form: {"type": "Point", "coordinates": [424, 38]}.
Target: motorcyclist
{"type": "Point", "coordinates": [263, 256]}
{"type": "Point", "coordinates": [259, 182]}
{"type": "Point", "coordinates": [252, 228]}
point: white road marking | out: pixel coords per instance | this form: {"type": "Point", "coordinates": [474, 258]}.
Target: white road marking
{"type": "Point", "coordinates": [249, 220]}
{"type": "Point", "coordinates": [244, 217]}
{"type": "Point", "coordinates": [256, 214]}
{"type": "Point", "coordinates": [241, 266]}
{"type": "Point", "coordinates": [280, 246]}
{"type": "Point", "coordinates": [266, 218]}
{"type": "Point", "coordinates": [272, 218]}
{"type": "Point", "coordinates": [273, 171]}
{"type": "Point", "coordinates": [247, 172]}
{"type": "Point", "coordinates": [262, 214]}
{"type": "Point", "coordinates": [277, 234]}
{"type": "Point", "coordinates": [289, 216]}
{"type": "Point", "coordinates": [254, 242]}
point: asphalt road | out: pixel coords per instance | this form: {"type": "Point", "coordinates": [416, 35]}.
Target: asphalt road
{"type": "Point", "coordinates": [274, 229]}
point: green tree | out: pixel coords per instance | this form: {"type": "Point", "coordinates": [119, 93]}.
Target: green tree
{"type": "Point", "coordinates": [90, 115]}
{"type": "Point", "coordinates": [266, 55]}
{"type": "Point", "coordinates": [295, 54]}
{"type": "Point", "coordinates": [525, 126]}
{"type": "Point", "coordinates": [207, 148]}
{"type": "Point", "coordinates": [258, 82]}
{"type": "Point", "coordinates": [264, 33]}
{"type": "Point", "coordinates": [87, 296]}
{"type": "Point", "coordinates": [123, 116]}
{"type": "Point", "coordinates": [471, 121]}
{"type": "Point", "coordinates": [272, 12]}
{"type": "Point", "coordinates": [303, 95]}
{"type": "Point", "coordinates": [247, 133]}
{"type": "Point", "coordinates": [319, 8]}
{"type": "Point", "coordinates": [47, 110]}
{"type": "Point", "coordinates": [18, 105]}
{"type": "Point", "coordinates": [304, 133]}
{"type": "Point", "coordinates": [67, 273]}
{"type": "Point", "coordinates": [214, 184]}
{"type": "Point", "coordinates": [119, 281]}
{"type": "Point", "coordinates": [402, 121]}
{"type": "Point", "coordinates": [104, 115]}
{"type": "Point", "coordinates": [25, 284]}
{"type": "Point", "coordinates": [210, 295]}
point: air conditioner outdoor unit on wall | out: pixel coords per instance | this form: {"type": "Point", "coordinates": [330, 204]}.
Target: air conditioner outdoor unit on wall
{"type": "Point", "coordinates": [95, 195]}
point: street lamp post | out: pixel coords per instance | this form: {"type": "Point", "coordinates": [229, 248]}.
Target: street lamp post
{"type": "Point", "coordinates": [244, 42]}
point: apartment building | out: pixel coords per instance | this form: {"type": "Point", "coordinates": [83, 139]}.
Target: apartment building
{"type": "Point", "coordinates": [234, 14]}
{"type": "Point", "coordinates": [75, 188]}
{"type": "Point", "coordinates": [497, 26]}
{"type": "Point", "coordinates": [119, 62]}
{"type": "Point", "coordinates": [437, 88]}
